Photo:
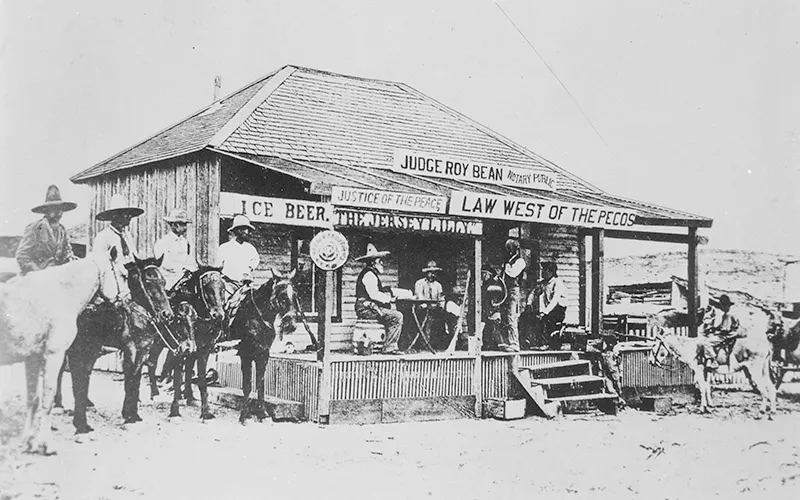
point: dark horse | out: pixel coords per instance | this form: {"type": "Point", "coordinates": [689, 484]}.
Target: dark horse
{"type": "Point", "coordinates": [132, 327]}
{"type": "Point", "coordinates": [264, 309]}
{"type": "Point", "coordinates": [204, 291]}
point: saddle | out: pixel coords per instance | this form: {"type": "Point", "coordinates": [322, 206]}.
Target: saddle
{"type": "Point", "coordinates": [235, 301]}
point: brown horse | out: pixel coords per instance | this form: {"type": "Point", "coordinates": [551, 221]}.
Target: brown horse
{"type": "Point", "coordinates": [37, 325]}
{"type": "Point", "coordinates": [265, 312]}
{"type": "Point", "coordinates": [131, 327]}
{"type": "Point", "coordinates": [786, 350]}
{"type": "Point", "coordinates": [204, 291]}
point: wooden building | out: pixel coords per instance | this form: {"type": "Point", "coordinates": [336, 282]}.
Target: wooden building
{"type": "Point", "coordinates": [302, 150]}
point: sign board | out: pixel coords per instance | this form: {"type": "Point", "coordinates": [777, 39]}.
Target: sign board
{"type": "Point", "coordinates": [543, 211]}
{"type": "Point", "coordinates": [388, 200]}
{"type": "Point", "coordinates": [448, 225]}
{"type": "Point", "coordinates": [468, 169]}
{"type": "Point", "coordinates": [276, 210]}
{"type": "Point", "coordinates": [329, 250]}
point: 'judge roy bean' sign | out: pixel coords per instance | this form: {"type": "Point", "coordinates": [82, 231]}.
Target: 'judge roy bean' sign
{"type": "Point", "coordinates": [468, 169]}
{"type": "Point", "coordinates": [276, 210]}
{"type": "Point", "coordinates": [543, 211]}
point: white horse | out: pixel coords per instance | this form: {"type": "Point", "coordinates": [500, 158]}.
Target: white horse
{"type": "Point", "coordinates": [38, 315]}
{"type": "Point", "coordinates": [751, 353]}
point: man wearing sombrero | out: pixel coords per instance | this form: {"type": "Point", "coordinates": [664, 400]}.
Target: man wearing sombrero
{"type": "Point", "coordinates": [176, 250]}
{"type": "Point", "coordinates": [717, 333]}
{"type": "Point", "coordinates": [45, 242]}
{"type": "Point", "coordinates": [429, 288]}
{"type": "Point", "coordinates": [373, 301]}
{"type": "Point", "coordinates": [115, 241]}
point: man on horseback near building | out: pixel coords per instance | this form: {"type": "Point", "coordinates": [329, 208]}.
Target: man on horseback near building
{"type": "Point", "coordinates": [176, 250]}
{"type": "Point", "coordinates": [115, 241]}
{"type": "Point", "coordinates": [720, 335]}
{"type": "Point", "coordinates": [46, 242]}
{"type": "Point", "coordinates": [238, 258]}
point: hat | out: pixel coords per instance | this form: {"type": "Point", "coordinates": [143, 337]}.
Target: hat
{"type": "Point", "coordinates": [725, 301]}
{"type": "Point", "coordinates": [118, 206]}
{"type": "Point", "coordinates": [512, 245]}
{"type": "Point", "coordinates": [431, 267]}
{"type": "Point", "coordinates": [53, 200]}
{"type": "Point", "coordinates": [372, 253]}
{"type": "Point", "coordinates": [241, 221]}
{"type": "Point", "coordinates": [177, 215]}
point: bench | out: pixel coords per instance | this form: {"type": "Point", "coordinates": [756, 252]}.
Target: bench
{"type": "Point", "coordinates": [368, 336]}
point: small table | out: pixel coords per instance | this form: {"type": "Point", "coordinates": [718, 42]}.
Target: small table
{"type": "Point", "coordinates": [413, 302]}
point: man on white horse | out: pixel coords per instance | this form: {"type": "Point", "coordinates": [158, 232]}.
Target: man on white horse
{"type": "Point", "coordinates": [716, 335]}
{"type": "Point", "coordinates": [46, 242]}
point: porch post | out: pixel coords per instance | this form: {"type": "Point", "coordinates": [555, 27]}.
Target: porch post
{"type": "Point", "coordinates": [477, 374]}
{"type": "Point", "coordinates": [582, 278]}
{"type": "Point", "coordinates": [692, 274]}
{"type": "Point", "coordinates": [598, 289]}
{"type": "Point", "coordinates": [324, 356]}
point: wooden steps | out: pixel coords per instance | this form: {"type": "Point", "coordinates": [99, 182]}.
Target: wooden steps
{"type": "Point", "coordinates": [565, 386]}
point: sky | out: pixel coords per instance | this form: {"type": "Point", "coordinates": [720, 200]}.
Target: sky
{"type": "Point", "coordinates": [689, 105]}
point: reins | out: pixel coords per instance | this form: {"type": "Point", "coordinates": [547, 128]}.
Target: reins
{"type": "Point", "coordinates": [258, 311]}
{"type": "Point", "coordinates": [150, 314]}
{"type": "Point", "coordinates": [670, 352]}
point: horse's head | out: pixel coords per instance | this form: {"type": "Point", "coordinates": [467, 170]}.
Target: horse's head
{"type": "Point", "coordinates": [147, 284]}
{"type": "Point", "coordinates": [776, 329]}
{"type": "Point", "coordinates": [206, 287]}
{"type": "Point", "coordinates": [284, 302]}
{"type": "Point", "coordinates": [660, 352]}
{"type": "Point", "coordinates": [187, 318]}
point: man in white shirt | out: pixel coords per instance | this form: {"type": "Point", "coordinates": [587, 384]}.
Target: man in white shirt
{"type": "Point", "coordinates": [512, 307]}
{"type": "Point", "coordinates": [115, 242]}
{"type": "Point", "coordinates": [176, 250]}
{"type": "Point", "coordinates": [552, 303]}
{"type": "Point", "coordinates": [429, 288]}
{"type": "Point", "coordinates": [374, 302]}
{"type": "Point", "coordinates": [238, 258]}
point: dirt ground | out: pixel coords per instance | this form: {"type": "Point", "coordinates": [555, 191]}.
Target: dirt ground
{"type": "Point", "coordinates": [686, 455]}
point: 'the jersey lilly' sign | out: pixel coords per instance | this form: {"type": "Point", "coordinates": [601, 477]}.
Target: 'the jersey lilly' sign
{"type": "Point", "coordinates": [276, 210]}
{"type": "Point", "coordinates": [467, 169]}
{"type": "Point", "coordinates": [388, 200]}
{"type": "Point", "coordinates": [544, 211]}
{"type": "Point", "coordinates": [407, 222]}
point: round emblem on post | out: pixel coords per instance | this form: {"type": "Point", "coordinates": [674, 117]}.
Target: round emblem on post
{"type": "Point", "coordinates": [329, 250]}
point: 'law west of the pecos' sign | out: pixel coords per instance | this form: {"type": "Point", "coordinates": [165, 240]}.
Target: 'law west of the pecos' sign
{"type": "Point", "coordinates": [543, 211]}
{"type": "Point", "coordinates": [276, 210]}
{"type": "Point", "coordinates": [467, 169]}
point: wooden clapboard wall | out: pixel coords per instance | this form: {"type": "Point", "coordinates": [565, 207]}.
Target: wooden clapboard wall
{"type": "Point", "coordinates": [190, 182]}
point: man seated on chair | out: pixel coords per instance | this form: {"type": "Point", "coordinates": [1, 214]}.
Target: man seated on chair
{"type": "Point", "coordinates": [373, 301]}
{"type": "Point", "coordinates": [429, 288]}
{"type": "Point", "coordinates": [715, 335]}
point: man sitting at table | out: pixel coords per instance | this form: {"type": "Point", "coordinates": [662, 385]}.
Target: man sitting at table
{"type": "Point", "coordinates": [429, 288]}
{"type": "Point", "coordinates": [373, 301]}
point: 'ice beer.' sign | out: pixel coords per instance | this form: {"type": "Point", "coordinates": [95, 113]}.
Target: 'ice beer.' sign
{"type": "Point", "coordinates": [276, 210]}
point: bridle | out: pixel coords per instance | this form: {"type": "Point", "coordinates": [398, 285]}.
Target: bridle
{"type": "Point", "coordinates": [657, 348]}
{"type": "Point", "coordinates": [151, 314]}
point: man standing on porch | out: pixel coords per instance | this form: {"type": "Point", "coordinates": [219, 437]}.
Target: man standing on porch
{"type": "Point", "coordinates": [512, 307]}
{"type": "Point", "coordinates": [374, 302]}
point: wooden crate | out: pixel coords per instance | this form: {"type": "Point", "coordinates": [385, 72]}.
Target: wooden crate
{"type": "Point", "coordinates": [504, 409]}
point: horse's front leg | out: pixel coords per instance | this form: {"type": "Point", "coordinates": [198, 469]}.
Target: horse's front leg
{"type": "Point", "coordinates": [188, 392]}
{"type": "Point", "coordinates": [261, 365]}
{"type": "Point", "coordinates": [81, 364]}
{"type": "Point", "coordinates": [57, 399]}
{"type": "Point", "coordinates": [177, 370]}
{"type": "Point", "coordinates": [132, 366]}
{"type": "Point", "coordinates": [202, 363]}
{"type": "Point", "coordinates": [247, 387]}
{"type": "Point", "coordinates": [152, 365]}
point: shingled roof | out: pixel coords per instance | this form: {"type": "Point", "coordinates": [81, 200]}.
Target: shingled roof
{"type": "Point", "coordinates": [319, 123]}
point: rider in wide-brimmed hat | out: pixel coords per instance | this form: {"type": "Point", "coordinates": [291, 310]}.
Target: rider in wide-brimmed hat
{"type": "Point", "coordinates": [373, 301]}
{"type": "Point", "coordinates": [175, 248]}
{"type": "Point", "coordinates": [716, 333]}
{"type": "Point", "coordinates": [238, 258]}
{"type": "Point", "coordinates": [45, 242]}
{"type": "Point", "coordinates": [115, 241]}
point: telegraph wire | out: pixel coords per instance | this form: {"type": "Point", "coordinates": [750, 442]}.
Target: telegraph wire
{"type": "Point", "coordinates": [554, 76]}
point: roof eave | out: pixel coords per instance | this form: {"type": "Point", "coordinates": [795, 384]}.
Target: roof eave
{"type": "Point", "coordinates": [673, 222]}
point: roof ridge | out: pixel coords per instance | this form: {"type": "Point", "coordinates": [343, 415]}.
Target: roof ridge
{"type": "Point", "coordinates": [171, 126]}
{"type": "Point", "coordinates": [500, 137]}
